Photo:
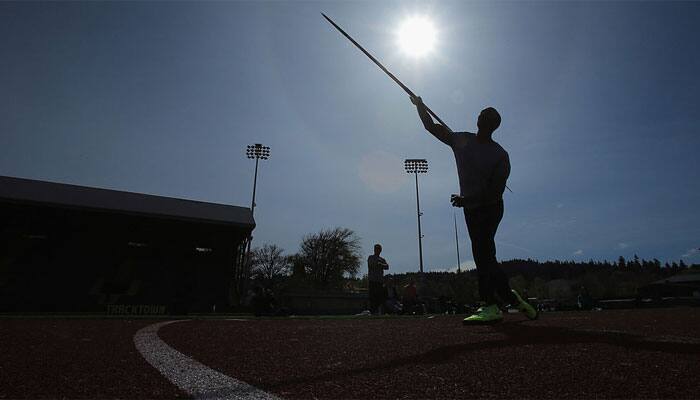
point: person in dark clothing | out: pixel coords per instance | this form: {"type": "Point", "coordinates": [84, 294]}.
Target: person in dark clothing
{"type": "Point", "coordinates": [483, 168]}
{"type": "Point", "coordinates": [410, 298]}
{"type": "Point", "coordinates": [376, 266]}
{"type": "Point", "coordinates": [392, 305]}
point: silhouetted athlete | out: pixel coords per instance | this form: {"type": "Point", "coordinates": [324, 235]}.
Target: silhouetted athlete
{"type": "Point", "coordinates": [483, 167]}
{"type": "Point", "coordinates": [376, 265]}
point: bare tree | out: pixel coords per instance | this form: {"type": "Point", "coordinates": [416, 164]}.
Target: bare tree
{"type": "Point", "coordinates": [329, 255]}
{"type": "Point", "coordinates": [268, 264]}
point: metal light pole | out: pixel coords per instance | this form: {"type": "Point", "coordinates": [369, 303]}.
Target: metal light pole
{"type": "Point", "coordinates": [459, 268]}
{"type": "Point", "coordinates": [417, 166]}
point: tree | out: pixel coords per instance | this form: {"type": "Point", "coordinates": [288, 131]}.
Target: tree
{"type": "Point", "coordinates": [329, 255]}
{"type": "Point", "coordinates": [559, 289]}
{"type": "Point", "coordinates": [268, 264]}
{"type": "Point", "coordinates": [297, 265]}
{"type": "Point", "coordinates": [635, 265]}
{"type": "Point", "coordinates": [592, 282]}
{"type": "Point", "coordinates": [621, 262]}
{"type": "Point", "coordinates": [538, 288]}
{"type": "Point", "coordinates": [519, 283]}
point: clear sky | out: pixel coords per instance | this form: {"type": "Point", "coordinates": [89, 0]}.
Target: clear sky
{"type": "Point", "coordinates": [600, 106]}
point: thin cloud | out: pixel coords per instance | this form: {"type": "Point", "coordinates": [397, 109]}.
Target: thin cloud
{"type": "Point", "coordinates": [622, 245]}
{"type": "Point", "coordinates": [578, 252]}
{"type": "Point", "coordinates": [691, 253]}
{"type": "Point", "coordinates": [500, 242]}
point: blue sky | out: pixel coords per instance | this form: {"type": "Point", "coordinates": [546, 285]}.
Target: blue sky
{"type": "Point", "coordinates": [600, 110]}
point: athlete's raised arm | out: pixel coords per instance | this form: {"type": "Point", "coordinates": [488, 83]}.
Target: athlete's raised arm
{"type": "Point", "coordinates": [439, 131]}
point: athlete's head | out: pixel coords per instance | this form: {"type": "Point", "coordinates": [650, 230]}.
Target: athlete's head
{"type": "Point", "coordinates": [377, 249]}
{"type": "Point", "coordinates": [489, 119]}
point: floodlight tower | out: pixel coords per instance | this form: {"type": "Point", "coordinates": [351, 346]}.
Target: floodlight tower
{"type": "Point", "coordinates": [257, 152]}
{"type": "Point", "coordinates": [417, 166]}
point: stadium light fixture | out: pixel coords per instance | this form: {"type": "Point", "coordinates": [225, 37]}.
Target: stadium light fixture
{"type": "Point", "coordinates": [417, 166]}
{"type": "Point", "coordinates": [257, 152]}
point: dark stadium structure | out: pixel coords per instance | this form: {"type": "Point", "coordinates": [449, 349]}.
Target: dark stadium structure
{"type": "Point", "coordinates": [679, 285]}
{"type": "Point", "coordinates": [67, 248]}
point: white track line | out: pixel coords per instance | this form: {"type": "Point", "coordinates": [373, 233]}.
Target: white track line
{"type": "Point", "coordinates": [193, 377]}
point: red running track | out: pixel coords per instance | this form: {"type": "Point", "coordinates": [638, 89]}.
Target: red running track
{"type": "Point", "coordinates": [77, 359]}
{"type": "Point", "coordinates": [608, 354]}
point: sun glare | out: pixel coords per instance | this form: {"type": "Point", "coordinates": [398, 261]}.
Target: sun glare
{"type": "Point", "coordinates": [416, 36]}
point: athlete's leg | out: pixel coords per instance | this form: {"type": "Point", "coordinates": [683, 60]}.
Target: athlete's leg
{"type": "Point", "coordinates": [474, 227]}
{"type": "Point", "coordinates": [375, 296]}
{"type": "Point", "coordinates": [482, 224]}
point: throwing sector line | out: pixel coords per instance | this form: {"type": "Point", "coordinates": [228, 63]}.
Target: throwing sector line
{"type": "Point", "coordinates": [191, 376]}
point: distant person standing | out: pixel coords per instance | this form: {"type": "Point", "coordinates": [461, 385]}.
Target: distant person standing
{"type": "Point", "coordinates": [376, 266]}
{"type": "Point", "coordinates": [410, 297]}
{"type": "Point", "coordinates": [483, 167]}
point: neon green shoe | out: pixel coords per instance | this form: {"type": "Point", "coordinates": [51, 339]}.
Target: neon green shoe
{"type": "Point", "coordinates": [485, 315]}
{"type": "Point", "coordinates": [525, 308]}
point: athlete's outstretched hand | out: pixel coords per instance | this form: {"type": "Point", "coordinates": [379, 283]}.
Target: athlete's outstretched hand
{"type": "Point", "coordinates": [457, 201]}
{"type": "Point", "coordinates": [416, 100]}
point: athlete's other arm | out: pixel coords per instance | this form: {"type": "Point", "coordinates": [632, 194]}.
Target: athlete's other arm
{"type": "Point", "coordinates": [497, 184]}
{"type": "Point", "coordinates": [439, 131]}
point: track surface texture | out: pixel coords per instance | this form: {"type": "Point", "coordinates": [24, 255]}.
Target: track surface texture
{"type": "Point", "coordinates": [652, 353]}
{"type": "Point", "coordinates": [77, 359]}
{"type": "Point", "coordinates": [608, 354]}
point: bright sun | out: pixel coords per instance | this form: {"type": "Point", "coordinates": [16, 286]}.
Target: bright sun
{"type": "Point", "coordinates": [416, 36]}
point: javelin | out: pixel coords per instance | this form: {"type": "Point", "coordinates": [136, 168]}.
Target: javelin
{"type": "Point", "coordinates": [386, 71]}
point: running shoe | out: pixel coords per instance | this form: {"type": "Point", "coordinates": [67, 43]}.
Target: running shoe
{"type": "Point", "coordinates": [525, 308]}
{"type": "Point", "coordinates": [485, 315]}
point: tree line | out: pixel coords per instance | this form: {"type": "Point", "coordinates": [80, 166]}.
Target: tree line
{"type": "Point", "coordinates": [331, 259]}
{"type": "Point", "coordinates": [560, 281]}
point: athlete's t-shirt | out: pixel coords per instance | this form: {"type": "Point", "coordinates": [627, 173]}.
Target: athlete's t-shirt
{"type": "Point", "coordinates": [375, 268]}
{"type": "Point", "coordinates": [483, 169]}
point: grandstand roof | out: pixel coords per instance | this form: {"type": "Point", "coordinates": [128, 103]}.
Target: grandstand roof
{"type": "Point", "coordinates": [21, 190]}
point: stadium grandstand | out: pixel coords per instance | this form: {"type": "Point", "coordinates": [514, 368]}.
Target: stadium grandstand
{"type": "Point", "coordinates": [67, 248]}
